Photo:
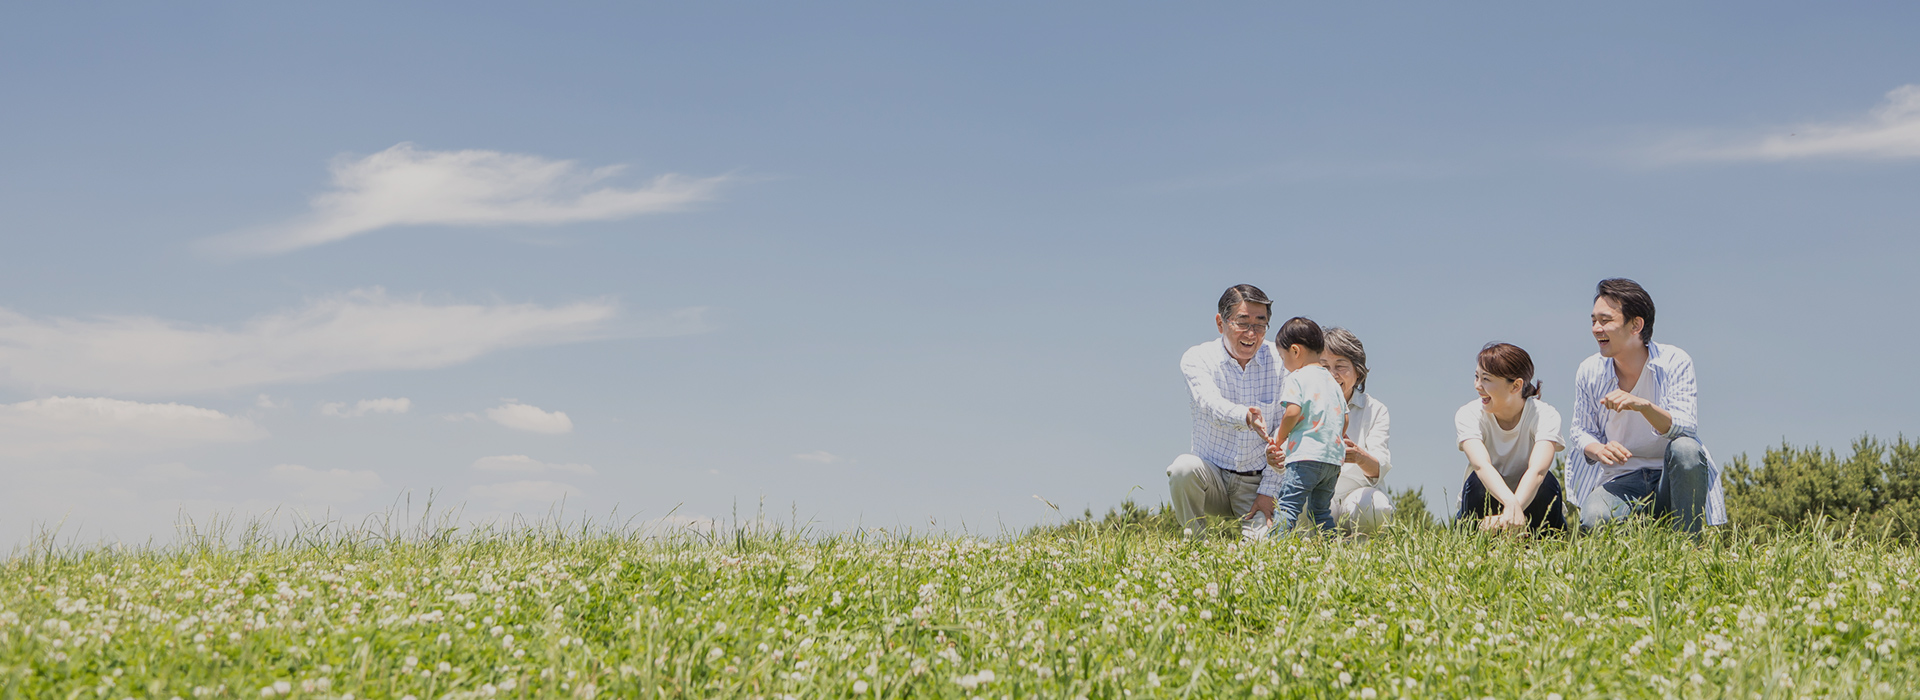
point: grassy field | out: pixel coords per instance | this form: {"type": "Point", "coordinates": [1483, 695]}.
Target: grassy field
{"type": "Point", "coordinates": [1100, 611]}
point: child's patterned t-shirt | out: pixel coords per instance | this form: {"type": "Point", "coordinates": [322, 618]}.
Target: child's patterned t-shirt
{"type": "Point", "coordinates": [1323, 416]}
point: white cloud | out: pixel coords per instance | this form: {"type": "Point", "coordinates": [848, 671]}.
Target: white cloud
{"type": "Point", "coordinates": [330, 486]}
{"type": "Point", "coordinates": [363, 330]}
{"type": "Point", "coordinates": [366, 406]}
{"type": "Point", "coordinates": [819, 457]}
{"type": "Point", "coordinates": [519, 493]}
{"type": "Point", "coordinates": [65, 425]}
{"type": "Point", "coordinates": [268, 402]}
{"type": "Point", "coordinates": [405, 186]}
{"type": "Point", "coordinates": [521, 416]}
{"type": "Point", "coordinates": [1890, 131]}
{"type": "Point", "coordinates": [522, 464]}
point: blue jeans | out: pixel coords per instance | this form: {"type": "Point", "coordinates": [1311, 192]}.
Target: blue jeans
{"type": "Point", "coordinates": [1305, 485]}
{"type": "Point", "coordinates": [1679, 489]}
{"type": "Point", "coordinates": [1543, 511]}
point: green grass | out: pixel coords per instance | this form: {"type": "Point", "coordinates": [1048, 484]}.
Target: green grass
{"type": "Point", "coordinates": [1120, 609]}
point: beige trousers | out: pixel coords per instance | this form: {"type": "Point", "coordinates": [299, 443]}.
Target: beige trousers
{"type": "Point", "coordinates": [1200, 489]}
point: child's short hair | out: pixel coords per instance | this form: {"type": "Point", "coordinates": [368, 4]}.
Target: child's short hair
{"type": "Point", "coordinates": [1302, 331]}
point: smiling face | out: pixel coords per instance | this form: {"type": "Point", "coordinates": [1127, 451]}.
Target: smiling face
{"type": "Point", "coordinates": [1612, 330]}
{"type": "Point", "coordinates": [1342, 370]}
{"type": "Point", "coordinates": [1244, 330]}
{"type": "Point", "coordinates": [1497, 394]}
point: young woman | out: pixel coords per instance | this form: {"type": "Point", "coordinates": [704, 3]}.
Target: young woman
{"type": "Point", "coordinates": [1358, 504]}
{"type": "Point", "coordinates": [1510, 437]}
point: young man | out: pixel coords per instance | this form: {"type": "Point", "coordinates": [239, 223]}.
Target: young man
{"type": "Point", "coordinates": [1635, 433]}
{"type": "Point", "coordinates": [1234, 381]}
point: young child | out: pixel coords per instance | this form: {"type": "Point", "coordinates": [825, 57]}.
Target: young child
{"type": "Point", "coordinates": [1308, 441]}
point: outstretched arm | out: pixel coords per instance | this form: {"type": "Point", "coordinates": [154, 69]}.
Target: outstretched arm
{"type": "Point", "coordinates": [1208, 401]}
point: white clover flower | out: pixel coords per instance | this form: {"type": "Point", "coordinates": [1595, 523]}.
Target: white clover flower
{"type": "Point", "coordinates": [859, 687]}
{"type": "Point", "coordinates": [1345, 678]}
{"type": "Point", "coordinates": [1368, 694]}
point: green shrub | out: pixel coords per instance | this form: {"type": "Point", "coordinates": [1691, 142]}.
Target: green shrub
{"type": "Point", "coordinates": [1876, 490]}
{"type": "Point", "coordinates": [1410, 508]}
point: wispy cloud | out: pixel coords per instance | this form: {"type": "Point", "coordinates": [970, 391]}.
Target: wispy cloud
{"type": "Point", "coordinates": [519, 416]}
{"type": "Point", "coordinates": [406, 186]}
{"type": "Point", "coordinates": [366, 406]}
{"type": "Point", "coordinates": [1889, 132]}
{"type": "Point", "coordinates": [359, 331]}
{"type": "Point", "coordinates": [819, 457]}
{"type": "Point", "coordinates": [67, 425]}
{"type": "Point", "coordinates": [522, 464]}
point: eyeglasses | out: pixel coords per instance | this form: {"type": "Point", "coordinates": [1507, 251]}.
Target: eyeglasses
{"type": "Point", "coordinates": [1243, 326]}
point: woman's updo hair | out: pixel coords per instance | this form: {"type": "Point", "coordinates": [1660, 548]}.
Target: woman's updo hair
{"type": "Point", "coordinates": [1341, 341]}
{"type": "Point", "coordinates": [1508, 361]}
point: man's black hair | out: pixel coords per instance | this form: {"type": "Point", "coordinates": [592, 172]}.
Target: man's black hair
{"type": "Point", "coordinates": [1634, 302]}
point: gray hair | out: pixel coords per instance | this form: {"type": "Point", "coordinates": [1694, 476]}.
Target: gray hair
{"type": "Point", "coordinates": [1342, 342]}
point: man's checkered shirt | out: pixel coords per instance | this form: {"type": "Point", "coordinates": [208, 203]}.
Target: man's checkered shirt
{"type": "Point", "coordinates": [1222, 390]}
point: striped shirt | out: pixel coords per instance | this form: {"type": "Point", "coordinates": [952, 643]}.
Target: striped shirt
{"type": "Point", "coordinates": [1673, 384]}
{"type": "Point", "coordinates": [1222, 391]}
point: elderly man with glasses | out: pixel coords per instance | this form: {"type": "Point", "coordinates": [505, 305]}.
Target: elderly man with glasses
{"type": "Point", "coordinates": [1234, 381]}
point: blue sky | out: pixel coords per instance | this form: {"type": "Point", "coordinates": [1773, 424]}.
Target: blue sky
{"type": "Point", "coordinates": [892, 265]}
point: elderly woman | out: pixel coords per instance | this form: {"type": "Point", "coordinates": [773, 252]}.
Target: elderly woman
{"type": "Point", "coordinates": [1358, 504]}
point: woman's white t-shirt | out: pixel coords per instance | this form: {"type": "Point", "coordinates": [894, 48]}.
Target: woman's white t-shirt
{"type": "Point", "coordinates": [1509, 449]}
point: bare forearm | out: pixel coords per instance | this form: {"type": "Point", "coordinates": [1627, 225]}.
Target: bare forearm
{"type": "Point", "coordinates": [1529, 487]}
{"type": "Point", "coordinates": [1288, 420]}
{"type": "Point", "coordinates": [1368, 465]}
{"type": "Point", "coordinates": [1658, 417]}
{"type": "Point", "coordinates": [1539, 461]}
{"type": "Point", "coordinates": [1495, 483]}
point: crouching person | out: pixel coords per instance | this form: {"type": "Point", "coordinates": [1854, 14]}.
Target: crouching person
{"type": "Point", "coordinates": [1635, 429]}
{"type": "Point", "coordinates": [1231, 380]}
{"type": "Point", "coordinates": [1510, 437]}
{"type": "Point", "coordinates": [1359, 505]}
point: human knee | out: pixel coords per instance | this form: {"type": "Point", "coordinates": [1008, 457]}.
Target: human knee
{"type": "Point", "coordinates": [1686, 453]}
{"type": "Point", "coordinates": [1367, 509]}
{"type": "Point", "coordinates": [1601, 508]}
{"type": "Point", "coordinates": [1186, 466]}
{"type": "Point", "coordinates": [1379, 503]}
